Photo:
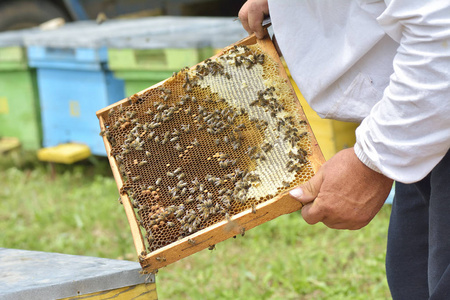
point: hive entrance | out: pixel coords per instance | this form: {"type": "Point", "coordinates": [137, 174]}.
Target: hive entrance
{"type": "Point", "coordinates": [208, 143]}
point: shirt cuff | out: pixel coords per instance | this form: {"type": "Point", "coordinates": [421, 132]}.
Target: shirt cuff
{"type": "Point", "coordinates": [364, 158]}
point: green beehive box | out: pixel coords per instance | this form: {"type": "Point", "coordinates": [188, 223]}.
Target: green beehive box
{"type": "Point", "coordinates": [167, 59]}
{"type": "Point", "coordinates": [12, 58]}
{"type": "Point", "coordinates": [19, 101]}
{"type": "Point", "coordinates": [141, 68]}
{"type": "Point", "coordinates": [138, 80]}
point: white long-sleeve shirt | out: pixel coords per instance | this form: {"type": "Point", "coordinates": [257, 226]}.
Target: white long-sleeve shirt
{"type": "Point", "coordinates": [385, 63]}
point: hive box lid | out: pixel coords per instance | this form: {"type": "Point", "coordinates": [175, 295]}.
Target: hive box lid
{"type": "Point", "coordinates": [195, 33]}
{"type": "Point", "coordinates": [85, 42]}
{"type": "Point", "coordinates": [15, 37]}
{"type": "Point", "coordinates": [89, 34]}
{"type": "Point", "coordinates": [43, 275]}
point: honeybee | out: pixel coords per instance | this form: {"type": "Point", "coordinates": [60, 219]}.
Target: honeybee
{"type": "Point", "coordinates": [200, 127]}
{"type": "Point", "coordinates": [195, 142]}
{"type": "Point", "coordinates": [260, 58]}
{"type": "Point", "coordinates": [266, 147]}
{"type": "Point", "coordinates": [242, 231]}
{"type": "Point", "coordinates": [195, 182]}
{"type": "Point", "coordinates": [218, 182]}
{"type": "Point", "coordinates": [151, 239]}
{"type": "Point", "coordinates": [179, 213]}
{"type": "Point", "coordinates": [136, 178]}
{"type": "Point", "coordinates": [225, 164]}
{"type": "Point", "coordinates": [189, 199]}
{"type": "Point", "coordinates": [186, 128]}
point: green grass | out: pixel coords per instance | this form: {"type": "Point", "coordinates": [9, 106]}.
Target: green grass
{"type": "Point", "coordinates": [286, 259]}
{"type": "Point", "coordinates": [75, 211]}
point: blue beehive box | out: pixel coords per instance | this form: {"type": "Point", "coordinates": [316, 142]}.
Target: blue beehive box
{"type": "Point", "coordinates": [74, 82]}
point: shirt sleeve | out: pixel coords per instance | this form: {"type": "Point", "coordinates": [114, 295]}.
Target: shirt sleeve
{"type": "Point", "coordinates": [408, 132]}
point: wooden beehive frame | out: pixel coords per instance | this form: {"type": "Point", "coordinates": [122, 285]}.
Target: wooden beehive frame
{"type": "Point", "coordinates": [279, 205]}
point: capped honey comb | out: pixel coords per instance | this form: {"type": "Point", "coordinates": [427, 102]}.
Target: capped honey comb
{"type": "Point", "coordinates": [214, 143]}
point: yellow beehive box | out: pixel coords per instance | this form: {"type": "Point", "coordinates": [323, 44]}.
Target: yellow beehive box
{"type": "Point", "coordinates": [332, 135]}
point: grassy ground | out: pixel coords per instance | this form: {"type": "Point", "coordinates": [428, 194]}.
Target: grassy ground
{"type": "Point", "coordinates": [75, 211]}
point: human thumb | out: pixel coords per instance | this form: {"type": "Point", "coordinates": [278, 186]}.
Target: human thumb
{"type": "Point", "coordinates": [308, 191]}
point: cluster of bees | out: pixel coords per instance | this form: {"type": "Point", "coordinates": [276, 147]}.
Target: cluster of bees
{"type": "Point", "coordinates": [189, 156]}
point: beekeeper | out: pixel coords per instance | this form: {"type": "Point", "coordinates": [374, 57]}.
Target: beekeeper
{"type": "Point", "coordinates": [385, 64]}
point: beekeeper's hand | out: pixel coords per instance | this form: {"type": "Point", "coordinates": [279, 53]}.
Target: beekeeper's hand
{"type": "Point", "coordinates": [252, 14]}
{"type": "Point", "coordinates": [344, 193]}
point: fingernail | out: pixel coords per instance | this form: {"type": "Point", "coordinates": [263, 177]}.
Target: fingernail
{"type": "Point", "coordinates": [296, 193]}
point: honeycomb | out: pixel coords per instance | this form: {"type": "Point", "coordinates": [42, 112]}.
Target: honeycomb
{"type": "Point", "coordinates": [208, 143]}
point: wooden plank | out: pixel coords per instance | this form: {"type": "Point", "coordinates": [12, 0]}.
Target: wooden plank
{"type": "Point", "coordinates": [239, 223]}
{"type": "Point", "coordinates": [143, 291]}
{"type": "Point", "coordinates": [126, 202]}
